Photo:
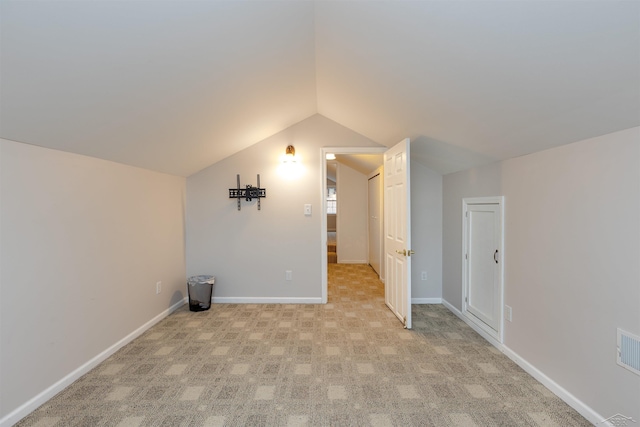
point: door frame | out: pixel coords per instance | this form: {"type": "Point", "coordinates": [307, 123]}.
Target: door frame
{"type": "Point", "coordinates": [323, 191]}
{"type": "Point", "coordinates": [499, 200]}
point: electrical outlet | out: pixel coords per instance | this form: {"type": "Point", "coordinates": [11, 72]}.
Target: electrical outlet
{"type": "Point", "coordinates": [507, 313]}
{"type": "Point", "coordinates": [288, 275]}
{"type": "Point", "coordinates": [158, 287]}
{"type": "Point", "coordinates": [424, 275]}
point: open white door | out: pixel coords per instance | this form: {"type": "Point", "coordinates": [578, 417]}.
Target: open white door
{"type": "Point", "coordinates": [397, 232]}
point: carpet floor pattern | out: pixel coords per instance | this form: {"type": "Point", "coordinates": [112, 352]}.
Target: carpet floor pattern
{"type": "Point", "coordinates": [346, 363]}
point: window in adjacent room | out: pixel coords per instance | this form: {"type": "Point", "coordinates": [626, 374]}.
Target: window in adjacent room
{"type": "Point", "coordinates": [331, 200]}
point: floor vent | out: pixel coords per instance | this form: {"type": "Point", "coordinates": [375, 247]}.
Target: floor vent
{"type": "Point", "coordinates": [629, 351]}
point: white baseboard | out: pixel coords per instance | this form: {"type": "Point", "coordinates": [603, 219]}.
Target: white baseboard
{"type": "Point", "coordinates": [584, 410]}
{"type": "Point", "coordinates": [352, 261]}
{"type": "Point", "coordinates": [426, 300]}
{"type": "Point", "coordinates": [494, 342]}
{"type": "Point", "coordinates": [265, 300]}
{"type": "Point", "coordinates": [28, 407]}
{"type": "Point", "coordinates": [41, 398]}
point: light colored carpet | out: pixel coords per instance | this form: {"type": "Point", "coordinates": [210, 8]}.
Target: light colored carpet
{"type": "Point", "coordinates": [346, 363]}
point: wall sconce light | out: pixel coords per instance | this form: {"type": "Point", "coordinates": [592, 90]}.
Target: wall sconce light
{"type": "Point", "coordinates": [291, 165]}
{"type": "Point", "coordinates": [290, 154]}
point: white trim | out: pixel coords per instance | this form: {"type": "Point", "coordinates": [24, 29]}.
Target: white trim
{"type": "Point", "coordinates": [568, 398]}
{"type": "Point", "coordinates": [265, 300]}
{"type": "Point", "coordinates": [42, 397]}
{"type": "Point", "coordinates": [473, 325]}
{"type": "Point", "coordinates": [496, 200]}
{"type": "Point", "coordinates": [584, 410]}
{"type": "Point", "coordinates": [484, 200]}
{"type": "Point", "coordinates": [426, 300]}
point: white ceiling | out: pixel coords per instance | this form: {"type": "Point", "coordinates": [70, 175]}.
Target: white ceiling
{"type": "Point", "coordinates": [175, 86]}
{"type": "Point", "coordinates": [363, 163]}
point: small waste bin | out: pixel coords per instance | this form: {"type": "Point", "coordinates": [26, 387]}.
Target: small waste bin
{"type": "Point", "coordinates": [200, 290]}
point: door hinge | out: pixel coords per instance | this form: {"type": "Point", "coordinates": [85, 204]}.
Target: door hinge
{"type": "Point", "coordinates": [466, 256]}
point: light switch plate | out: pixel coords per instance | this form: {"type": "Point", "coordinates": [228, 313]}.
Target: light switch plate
{"type": "Point", "coordinates": [307, 209]}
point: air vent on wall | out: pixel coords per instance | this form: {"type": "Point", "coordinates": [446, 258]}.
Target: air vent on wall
{"type": "Point", "coordinates": [629, 351]}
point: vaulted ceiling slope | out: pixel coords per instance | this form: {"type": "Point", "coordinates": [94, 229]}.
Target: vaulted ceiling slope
{"type": "Point", "coordinates": [175, 86]}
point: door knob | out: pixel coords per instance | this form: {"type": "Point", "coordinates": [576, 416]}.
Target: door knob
{"type": "Point", "coordinates": [405, 252]}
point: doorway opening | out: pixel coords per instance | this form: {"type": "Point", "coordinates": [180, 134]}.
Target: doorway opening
{"type": "Point", "coordinates": [332, 210]}
{"type": "Point", "coordinates": [345, 154]}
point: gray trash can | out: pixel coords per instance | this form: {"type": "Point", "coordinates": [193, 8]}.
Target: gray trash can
{"type": "Point", "coordinates": [200, 290]}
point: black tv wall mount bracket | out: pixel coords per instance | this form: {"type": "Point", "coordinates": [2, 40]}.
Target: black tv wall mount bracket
{"type": "Point", "coordinates": [248, 193]}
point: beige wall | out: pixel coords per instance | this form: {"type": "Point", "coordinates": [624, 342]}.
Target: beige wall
{"type": "Point", "coordinates": [426, 234]}
{"type": "Point", "coordinates": [352, 237]}
{"type": "Point", "coordinates": [249, 250]}
{"type": "Point", "coordinates": [572, 270]}
{"type": "Point", "coordinates": [84, 242]}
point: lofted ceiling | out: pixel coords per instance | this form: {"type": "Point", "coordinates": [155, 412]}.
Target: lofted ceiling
{"type": "Point", "coordinates": [175, 86]}
{"type": "Point", "coordinates": [363, 163]}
